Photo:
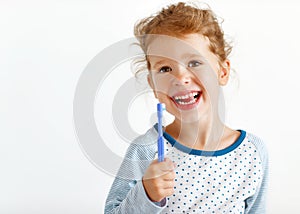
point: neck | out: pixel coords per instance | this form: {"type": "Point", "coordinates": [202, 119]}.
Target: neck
{"type": "Point", "coordinates": [203, 134]}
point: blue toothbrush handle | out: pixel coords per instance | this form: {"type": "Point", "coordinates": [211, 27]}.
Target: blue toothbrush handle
{"type": "Point", "coordinates": [160, 149]}
{"type": "Point", "coordinates": [160, 139]}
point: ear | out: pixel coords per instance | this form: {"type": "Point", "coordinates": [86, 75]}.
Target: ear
{"type": "Point", "coordinates": [150, 82]}
{"type": "Point", "coordinates": [224, 72]}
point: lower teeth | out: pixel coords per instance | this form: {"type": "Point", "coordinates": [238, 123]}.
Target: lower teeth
{"type": "Point", "coordinates": [187, 103]}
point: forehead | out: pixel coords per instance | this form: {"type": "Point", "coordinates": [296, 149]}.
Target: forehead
{"type": "Point", "coordinates": [162, 46]}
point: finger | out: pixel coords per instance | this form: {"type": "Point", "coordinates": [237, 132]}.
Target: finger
{"type": "Point", "coordinates": [166, 165]}
{"type": "Point", "coordinates": [168, 192]}
{"type": "Point", "coordinates": [168, 185]}
{"type": "Point", "coordinates": [169, 176]}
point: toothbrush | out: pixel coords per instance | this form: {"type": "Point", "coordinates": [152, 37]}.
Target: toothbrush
{"type": "Point", "coordinates": [160, 141]}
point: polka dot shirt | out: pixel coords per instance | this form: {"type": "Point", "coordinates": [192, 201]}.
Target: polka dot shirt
{"type": "Point", "coordinates": [232, 180]}
{"type": "Point", "coordinates": [218, 182]}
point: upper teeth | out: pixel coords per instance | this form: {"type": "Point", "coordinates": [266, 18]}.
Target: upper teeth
{"type": "Point", "coordinates": [192, 94]}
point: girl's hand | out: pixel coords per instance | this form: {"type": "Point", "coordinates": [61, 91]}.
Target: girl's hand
{"type": "Point", "coordinates": [158, 180]}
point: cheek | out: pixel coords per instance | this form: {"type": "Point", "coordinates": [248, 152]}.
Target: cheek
{"type": "Point", "coordinates": [207, 78]}
{"type": "Point", "coordinates": [205, 72]}
{"type": "Point", "coordinates": [161, 83]}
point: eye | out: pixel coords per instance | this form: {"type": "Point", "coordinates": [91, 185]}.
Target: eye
{"type": "Point", "coordinates": [165, 69]}
{"type": "Point", "coordinates": [194, 63]}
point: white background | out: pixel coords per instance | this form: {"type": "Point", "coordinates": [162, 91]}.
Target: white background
{"type": "Point", "coordinates": [45, 46]}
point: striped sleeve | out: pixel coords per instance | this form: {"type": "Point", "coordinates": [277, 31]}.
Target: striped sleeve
{"type": "Point", "coordinates": [127, 194]}
{"type": "Point", "coordinates": [257, 203]}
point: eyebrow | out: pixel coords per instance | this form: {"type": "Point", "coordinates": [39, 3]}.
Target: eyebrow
{"type": "Point", "coordinates": [160, 62]}
{"type": "Point", "coordinates": [156, 66]}
{"type": "Point", "coordinates": [157, 63]}
{"type": "Point", "coordinates": [188, 55]}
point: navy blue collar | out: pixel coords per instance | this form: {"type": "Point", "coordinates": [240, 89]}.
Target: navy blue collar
{"type": "Point", "coordinates": [191, 151]}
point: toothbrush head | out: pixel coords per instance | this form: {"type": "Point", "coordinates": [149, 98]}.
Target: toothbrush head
{"type": "Point", "coordinates": [161, 107]}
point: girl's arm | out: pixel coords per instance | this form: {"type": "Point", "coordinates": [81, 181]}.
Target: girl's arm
{"type": "Point", "coordinates": [127, 194]}
{"type": "Point", "coordinates": [257, 203]}
{"type": "Point", "coordinates": [125, 199]}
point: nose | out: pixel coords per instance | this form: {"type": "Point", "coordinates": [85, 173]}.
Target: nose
{"type": "Point", "coordinates": [181, 76]}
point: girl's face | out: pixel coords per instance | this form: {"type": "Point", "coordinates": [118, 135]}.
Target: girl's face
{"type": "Point", "coordinates": [186, 75]}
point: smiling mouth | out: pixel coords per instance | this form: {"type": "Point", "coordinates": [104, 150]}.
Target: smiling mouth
{"type": "Point", "coordinates": [187, 100]}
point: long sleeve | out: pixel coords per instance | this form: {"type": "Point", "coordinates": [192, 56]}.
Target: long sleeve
{"type": "Point", "coordinates": [257, 203]}
{"type": "Point", "coordinates": [127, 194]}
{"type": "Point", "coordinates": [135, 200]}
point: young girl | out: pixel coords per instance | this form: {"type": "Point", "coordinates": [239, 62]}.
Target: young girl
{"type": "Point", "coordinates": [208, 167]}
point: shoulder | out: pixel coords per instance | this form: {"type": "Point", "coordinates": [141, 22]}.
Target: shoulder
{"type": "Point", "coordinates": [260, 147]}
{"type": "Point", "coordinates": [257, 142]}
{"type": "Point", "coordinates": [256, 203]}
{"type": "Point", "coordinates": [147, 139]}
{"type": "Point", "coordinates": [144, 146]}
{"type": "Point", "coordinates": [139, 155]}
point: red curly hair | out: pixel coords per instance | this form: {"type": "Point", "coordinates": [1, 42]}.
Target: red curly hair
{"type": "Point", "coordinates": [180, 19]}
